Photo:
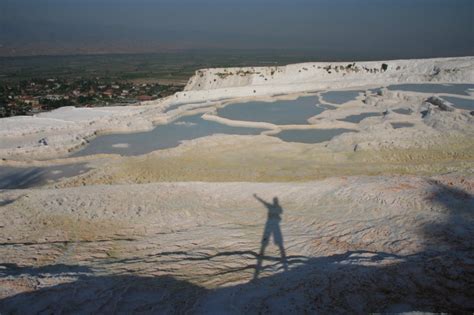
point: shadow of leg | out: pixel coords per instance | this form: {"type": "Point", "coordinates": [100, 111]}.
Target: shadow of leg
{"type": "Point", "coordinates": [264, 244]}
{"type": "Point", "coordinates": [278, 238]}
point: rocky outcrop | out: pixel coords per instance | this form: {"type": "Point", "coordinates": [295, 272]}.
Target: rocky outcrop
{"type": "Point", "coordinates": [441, 103]}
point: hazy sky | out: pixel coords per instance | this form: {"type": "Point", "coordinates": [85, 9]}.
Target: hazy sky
{"type": "Point", "coordinates": [343, 28]}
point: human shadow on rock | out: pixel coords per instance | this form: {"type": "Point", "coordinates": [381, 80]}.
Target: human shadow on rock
{"type": "Point", "coordinates": [437, 279]}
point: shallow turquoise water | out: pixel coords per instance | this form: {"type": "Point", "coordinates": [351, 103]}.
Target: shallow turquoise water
{"type": "Point", "coordinates": [460, 103]}
{"type": "Point", "coordinates": [283, 112]}
{"type": "Point", "coordinates": [403, 111]}
{"type": "Point", "coordinates": [460, 89]}
{"type": "Point", "coordinates": [340, 97]}
{"type": "Point", "coordinates": [311, 135]}
{"type": "Point", "coordinates": [401, 125]}
{"type": "Point", "coordinates": [161, 137]}
{"type": "Point", "coordinates": [359, 117]}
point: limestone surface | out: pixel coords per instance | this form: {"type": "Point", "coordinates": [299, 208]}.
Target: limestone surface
{"type": "Point", "coordinates": [378, 219]}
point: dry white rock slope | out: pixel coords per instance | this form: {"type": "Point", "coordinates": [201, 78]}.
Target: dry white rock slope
{"type": "Point", "coordinates": [357, 245]}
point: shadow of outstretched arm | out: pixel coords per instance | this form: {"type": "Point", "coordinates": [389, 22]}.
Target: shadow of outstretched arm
{"type": "Point", "coordinates": [266, 204]}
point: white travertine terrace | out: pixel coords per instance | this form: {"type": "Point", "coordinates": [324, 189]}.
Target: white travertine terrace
{"type": "Point", "coordinates": [70, 128]}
